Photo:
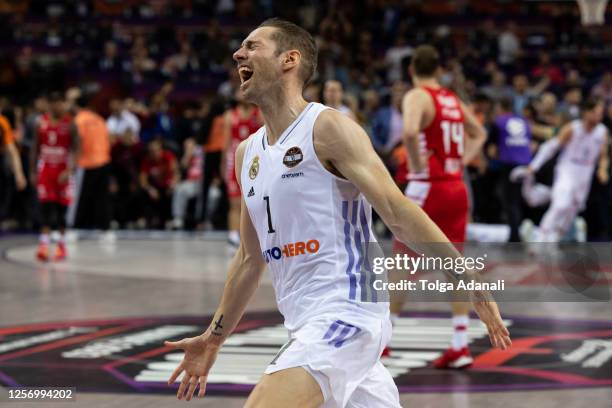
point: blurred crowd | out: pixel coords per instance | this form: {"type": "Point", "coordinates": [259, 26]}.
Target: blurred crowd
{"type": "Point", "coordinates": [161, 75]}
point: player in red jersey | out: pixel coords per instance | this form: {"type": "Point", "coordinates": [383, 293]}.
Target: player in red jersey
{"type": "Point", "coordinates": [435, 123]}
{"type": "Point", "coordinates": [240, 123]}
{"type": "Point", "coordinates": [54, 155]}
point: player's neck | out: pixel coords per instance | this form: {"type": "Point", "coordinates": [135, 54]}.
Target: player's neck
{"type": "Point", "coordinates": [279, 113]}
{"type": "Point", "coordinates": [427, 82]}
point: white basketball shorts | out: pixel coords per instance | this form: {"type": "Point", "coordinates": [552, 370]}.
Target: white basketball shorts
{"type": "Point", "coordinates": [343, 356]}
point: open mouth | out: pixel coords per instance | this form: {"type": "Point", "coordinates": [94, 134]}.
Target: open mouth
{"type": "Point", "coordinates": [245, 74]}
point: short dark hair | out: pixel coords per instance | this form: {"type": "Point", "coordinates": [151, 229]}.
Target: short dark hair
{"type": "Point", "coordinates": [425, 61]}
{"type": "Point", "coordinates": [290, 36]}
{"type": "Point", "coordinates": [590, 103]}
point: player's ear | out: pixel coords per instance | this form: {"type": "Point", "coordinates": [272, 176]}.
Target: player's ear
{"type": "Point", "coordinates": [291, 59]}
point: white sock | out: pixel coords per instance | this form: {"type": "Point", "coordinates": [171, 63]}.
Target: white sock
{"type": "Point", "coordinates": [393, 317]}
{"type": "Point", "coordinates": [460, 336]}
{"type": "Point", "coordinates": [44, 239]}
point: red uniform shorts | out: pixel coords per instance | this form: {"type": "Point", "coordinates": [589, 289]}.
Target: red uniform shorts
{"type": "Point", "coordinates": [49, 187]}
{"type": "Point", "coordinates": [446, 203]}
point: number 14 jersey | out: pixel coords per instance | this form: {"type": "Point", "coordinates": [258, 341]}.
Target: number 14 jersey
{"type": "Point", "coordinates": [441, 142]}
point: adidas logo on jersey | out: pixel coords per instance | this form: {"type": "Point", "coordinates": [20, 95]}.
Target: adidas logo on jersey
{"type": "Point", "coordinates": [251, 192]}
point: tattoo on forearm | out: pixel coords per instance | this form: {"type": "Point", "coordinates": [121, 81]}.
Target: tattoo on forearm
{"type": "Point", "coordinates": [216, 331]}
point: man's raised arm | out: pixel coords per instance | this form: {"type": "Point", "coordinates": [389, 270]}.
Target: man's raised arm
{"type": "Point", "coordinates": [245, 272]}
{"type": "Point", "coordinates": [343, 145]}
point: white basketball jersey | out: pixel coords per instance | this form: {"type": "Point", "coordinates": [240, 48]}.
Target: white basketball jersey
{"type": "Point", "coordinates": [583, 149]}
{"type": "Point", "coordinates": [311, 227]}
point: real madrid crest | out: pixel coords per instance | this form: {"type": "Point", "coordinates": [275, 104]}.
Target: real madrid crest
{"type": "Point", "coordinates": [254, 168]}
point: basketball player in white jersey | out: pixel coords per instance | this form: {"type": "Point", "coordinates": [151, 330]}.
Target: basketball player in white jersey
{"type": "Point", "coordinates": [584, 146]}
{"type": "Point", "coordinates": [308, 178]}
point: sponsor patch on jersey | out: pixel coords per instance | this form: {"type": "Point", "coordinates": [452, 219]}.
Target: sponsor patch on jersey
{"type": "Point", "coordinates": [293, 249]}
{"type": "Point", "coordinates": [292, 175]}
{"type": "Point", "coordinates": [251, 192]}
{"type": "Point", "coordinates": [254, 168]}
{"type": "Point", "coordinates": [293, 157]}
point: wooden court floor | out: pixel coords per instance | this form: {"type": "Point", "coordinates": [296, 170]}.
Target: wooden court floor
{"type": "Point", "coordinates": [96, 322]}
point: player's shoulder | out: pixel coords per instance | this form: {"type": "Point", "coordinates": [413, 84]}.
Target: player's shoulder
{"type": "Point", "coordinates": [417, 95]}
{"type": "Point", "coordinates": [417, 92]}
{"type": "Point", "coordinates": [329, 116]}
{"type": "Point", "coordinates": [335, 134]}
{"type": "Point", "coordinates": [333, 124]}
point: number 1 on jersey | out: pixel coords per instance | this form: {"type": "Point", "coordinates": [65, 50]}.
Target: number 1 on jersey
{"type": "Point", "coordinates": [270, 229]}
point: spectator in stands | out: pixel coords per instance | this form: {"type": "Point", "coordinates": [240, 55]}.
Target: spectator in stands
{"type": "Point", "coordinates": [509, 45]}
{"type": "Point", "coordinates": [333, 96]}
{"type": "Point", "coordinates": [547, 109]}
{"type": "Point", "coordinates": [370, 103]}
{"type": "Point", "coordinates": [184, 62]}
{"type": "Point", "coordinates": [110, 61]}
{"type": "Point", "coordinates": [523, 92]}
{"type": "Point", "coordinates": [387, 125]}
{"type": "Point", "coordinates": [573, 79]}
{"type": "Point", "coordinates": [192, 164]}
{"type": "Point", "coordinates": [395, 58]}
{"type": "Point", "coordinates": [126, 155]}
{"type": "Point", "coordinates": [569, 108]}
{"type": "Point", "coordinates": [160, 123]}
{"type": "Point", "coordinates": [158, 178]}
{"type": "Point", "coordinates": [546, 69]}
{"type": "Point", "coordinates": [141, 66]}
{"type": "Point", "coordinates": [122, 124]}
{"type": "Point", "coordinates": [498, 88]}
{"type": "Point", "coordinates": [603, 88]}
{"type": "Point", "coordinates": [189, 124]}
{"type": "Point", "coordinates": [92, 197]}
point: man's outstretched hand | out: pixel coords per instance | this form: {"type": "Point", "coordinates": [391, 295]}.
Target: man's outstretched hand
{"type": "Point", "coordinates": [200, 355]}
{"type": "Point", "coordinates": [487, 311]}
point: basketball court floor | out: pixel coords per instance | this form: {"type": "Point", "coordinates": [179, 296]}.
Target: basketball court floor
{"type": "Point", "coordinates": [98, 320]}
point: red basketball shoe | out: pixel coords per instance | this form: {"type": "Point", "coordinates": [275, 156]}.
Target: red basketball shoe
{"type": "Point", "coordinates": [42, 254]}
{"type": "Point", "coordinates": [454, 359]}
{"type": "Point", "coordinates": [60, 253]}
